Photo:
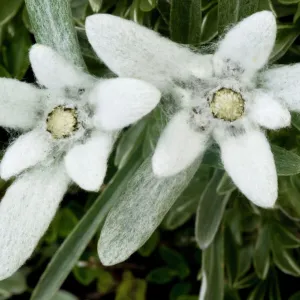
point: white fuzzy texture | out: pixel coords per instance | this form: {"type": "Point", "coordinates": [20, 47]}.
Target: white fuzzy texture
{"type": "Point", "coordinates": [86, 164]}
{"type": "Point", "coordinates": [122, 101]}
{"type": "Point", "coordinates": [178, 146]}
{"type": "Point", "coordinates": [284, 81]}
{"type": "Point", "coordinates": [247, 45]}
{"type": "Point", "coordinates": [25, 213]}
{"type": "Point", "coordinates": [142, 207]}
{"type": "Point", "coordinates": [269, 113]}
{"type": "Point", "coordinates": [28, 150]}
{"type": "Point", "coordinates": [54, 72]}
{"type": "Point", "coordinates": [19, 104]}
{"type": "Point", "coordinates": [248, 160]}
{"type": "Point", "coordinates": [131, 50]}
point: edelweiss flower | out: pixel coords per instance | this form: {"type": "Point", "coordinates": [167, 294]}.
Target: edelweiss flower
{"type": "Point", "coordinates": [224, 96]}
{"type": "Point", "coordinates": [71, 127]}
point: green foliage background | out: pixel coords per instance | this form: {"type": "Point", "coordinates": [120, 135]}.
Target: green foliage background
{"type": "Point", "coordinates": [253, 253]}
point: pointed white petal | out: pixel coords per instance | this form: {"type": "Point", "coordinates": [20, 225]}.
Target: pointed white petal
{"type": "Point", "coordinates": [131, 50]}
{"type": "Point", "coordinates": [28, 150]}
{"type": "Point", "coordinates": [141, 207]}
{"type": "Point", "coordinates": [269, 113]}
{"type": "Point", "coordinates": [249, 161]}
{"type": "Point", "coordinates": [86, 164]}
{"type": "Point", "coordinates": [122, 101]}
{"type": "Point", "coordinates": [54, 71]}
{"type": "Point", "coordinates": [284, 82]}
{"type": "Point", "coordinates": [19, 104]}
{"type": "Point", "coordinates": [247, 46]}
{"type": "Point", "coordinates": [26, 212]}
{"type": "Point", "coordinates": [178, 146]}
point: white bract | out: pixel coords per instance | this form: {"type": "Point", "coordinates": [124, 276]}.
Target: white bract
{"type": "Point", "coordinates": [69, 131]}
{"type": "Point", "coordinates": [227, 96]}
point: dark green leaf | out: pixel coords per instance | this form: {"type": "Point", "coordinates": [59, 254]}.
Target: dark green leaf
{"type": "Point", "coordinates": [288, 2]}
{"type": "Point", "coordinates": [210, 212]}
{"type": "Point", "coordinates": [85, 275]}
{"type": "Point", "coordinates": [226, 185]}
{"type": "Point", "coordinates": [296, 296]}
{"type": "Point", "coordinates": [175, 261]}
{"type": "Point", "coordinates": [131, 288]}
{"type": "Point", "coordinates": [213, 270]}
{"type": "Point", "coordinates": [180, 289]}
{"type": "Point", "coordinates": [161, 275]}
{"type": "Point", "coordinates": [209, 29]}
{"type": "Point", "coordinates": [258, 293]}
{"type": "Point", "coordinates": [150, 245]}
{"type": "Point", "coordinates": [296, 120]}
{"type": "Point", "coordinates": [261, 256]}
{"type": "Point", "coordinates": [14, 285]}
{"type": "Point", "coordinates": [105, 281]}
{"type": "Point", "coordinates": [9, 9]}
{"type": "Point", "coordinates": [63, 295]}
{"type": "Point", "coordinates": [247, 281]}
{"type": "Point", "coordinates": [4, 72]}
{"type": "Point", "coordinates": [247, 8]}
{"type": "Point", "coordinates": [147, 5]}
{"type": "Point", "coordinates": [185, 21]}
{"type": "Point", "coordinates": [284, 237]}
{"type": "Point", "coordinates": [286, 35]}
{"type": "Point", "coordinates": [186, 205]}
{"type": "Point", "coordinates": [66, 222]}
{"type": "Point", "coordinates": [228, 13]}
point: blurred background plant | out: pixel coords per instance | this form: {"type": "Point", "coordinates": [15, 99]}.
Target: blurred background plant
{"type": "Point", "coordinates": [253, 253]}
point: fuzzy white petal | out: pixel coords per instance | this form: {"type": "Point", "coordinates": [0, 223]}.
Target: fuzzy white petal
{"type": "Point", "coordinates": [178, 146]}
{"type": "Point", "coordinates": [284, 82]}
{"type": "Point", "coordinates": [122, 101]}
{"type": "Point", "coordinates": [249, 161]}
{"type": "Point", "coordinates": [28, 150]}
{"type": "Point", "coordinates": [131, 50]}
{"type": "Point", "coordinates": [19, 104]}
{"type": "Point", "coordinates": [248, 45]}
{"type": "Point", "coordinates": [269, 113]}
{"type": "Point", "coordinates": [25, 213]}
{"type": "Point", "coordinates": [54, 71]}
{"type": "Point", "coordinates": [86, 164]}
{"type": "Point", "coordinates": [143, 204]}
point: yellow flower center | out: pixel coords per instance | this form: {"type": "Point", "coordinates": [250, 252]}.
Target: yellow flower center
{"type": "Point", "coordinates": [62, 122]}
{"type": "Point", "coordinates": [227, 105]}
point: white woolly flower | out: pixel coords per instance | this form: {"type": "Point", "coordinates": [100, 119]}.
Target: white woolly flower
{"type": "Point", "coordinates": [69, 132]}
{"type": "Point", "coordinates": [225, 96]}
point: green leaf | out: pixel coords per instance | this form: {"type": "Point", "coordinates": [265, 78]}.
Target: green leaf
{"type": "Point", "coordinates": [247, 8]}
{"type": "Point", "coordinates": [274, 287]}
{"type": "Point", "coordinates": [286, 35]}
{"type": "Point", "coordinates": [175, 261]}
{"type": "Point", "coordinates": [185, 21]}
{"type": "Point", "coordinates": [131, 288]}
{"type": "Point", "coordinates": [180, 289]}
{"type": "Point", "coordinates": [141, 208]}
{"type": "Point", "coordinates": [246, 282]}
{"type": "Point", "coordinates": [287, 162]}
{"type": "Point", "coordinates": [296, 120]}
{"type": "Point", "coordinates": [296, 296]}
{"type": "Point", "coordinates": [228, 12]}
{"type": "Point", "coordinates": [161, 275]}
{"type": "Point", "coordinates": [261, 258]}
{"type": "Point", "coordinates": [212, 270]}
{"type": "Point", "coordinates": [61, 35]}
{"type": "Point", "coordinates": [14, 285]}
{"type": "Point", "coordinates": [85, 275]}
{"type": "Point", "coordinates": [105, 281]}
{"type": "Point", "coordinates": [210, 211]}
{"type": "Point", "coordinates": [63, 295]}
{"type": "Point", "coordinates": [4, 72]}
{"type": "Point", "coordinates": [9, 9]}
{"type": "Point", "coordinates": [209, 29]}
{"type": "Point", "coordinates": [186, 205]}
{"type": "Point", "coordinates": [66, 222]}
{"type": "Point", "coordinates": [285, 261]}
{"type": "Point", "coordinates": [128, 142]}
{"type": "Point", "coordinates": [96, 5]}
{"type": "Point", "coordinates": [245, 260]}
{"type": "Point", "coordinates": [297, 14]}
{"type": "Point", "coordinates": [69, 252]}
{"type": "Point", "coordinates": [285, 238]}
{"type": "Point", "coordinates": [147, 5]}
{"type": "Point", "coordinates": [288, 2]}
{"type": "Point", "coordinates": [16, 54]}
{"type": "Point", "coordinates": [258, 293]}
{"type": "Point", "coordinates": [147, 249]}
{"type": "Point", "coordinates": [226, 185]}
{"type": "Point", "coordinates": [231, 257]}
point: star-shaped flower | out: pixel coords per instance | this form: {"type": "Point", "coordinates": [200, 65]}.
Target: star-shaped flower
{"type": "Point", "coordinates": [228, 96]}
{"type": "Point", "coordinates": [69, 131]}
